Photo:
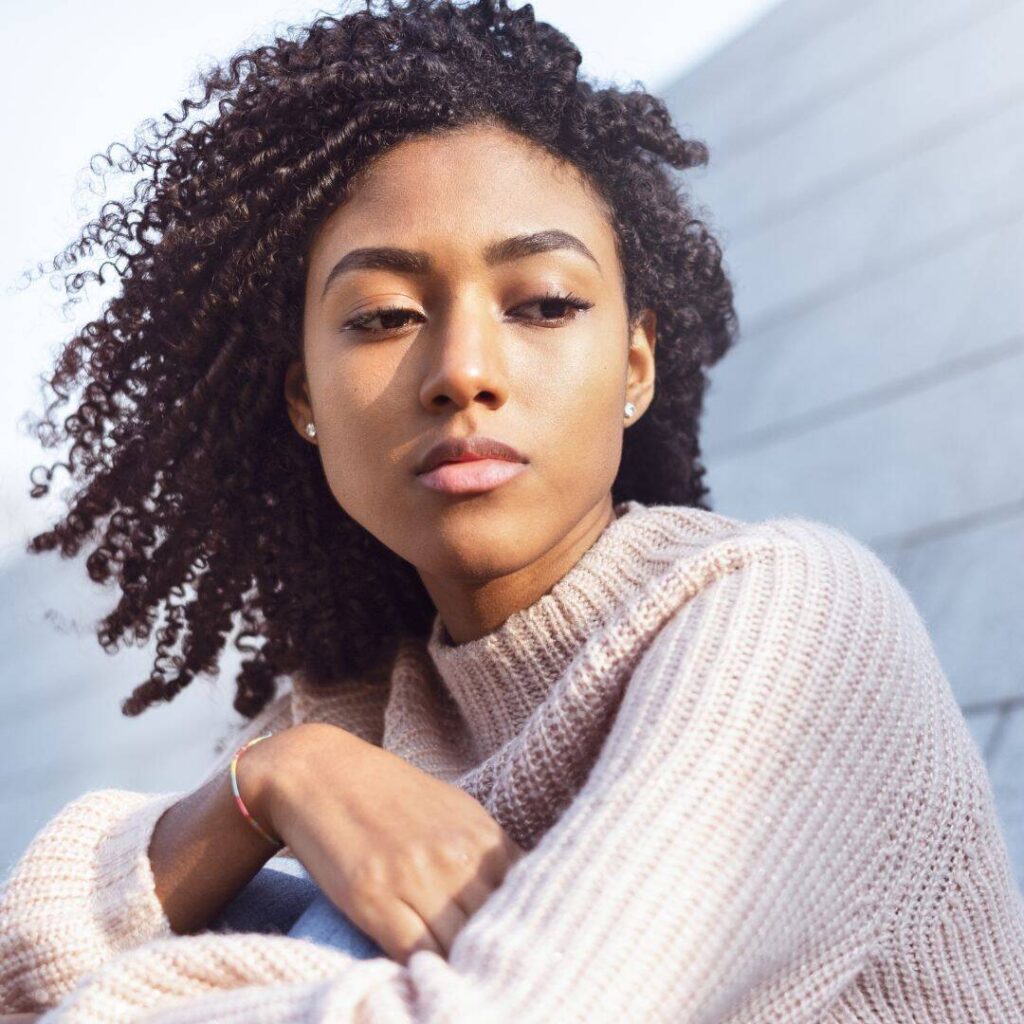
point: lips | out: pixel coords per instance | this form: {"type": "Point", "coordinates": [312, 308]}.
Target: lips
{"type": "Point", "coordinates": [466, 449]}
{"type": "Point", "coordinates": [474, 476]}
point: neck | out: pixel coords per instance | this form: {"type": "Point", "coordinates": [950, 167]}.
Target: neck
{"type": "Point", "coordinates": [498, 681]}
{"type": "Point", "coordinates": [470, 609]}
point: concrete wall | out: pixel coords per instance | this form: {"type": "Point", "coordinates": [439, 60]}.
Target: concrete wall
{"type": "Point", "coordinates": [61, 729]}
{"type": "Point", "coordinates": [867, 183]}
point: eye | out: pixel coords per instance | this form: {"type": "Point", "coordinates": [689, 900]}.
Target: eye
{"type": "Point", "coordinates": [391, 319]}
{"type": "Point", "coordinates": [553, 307]}
{"type": "Point", "coordinates": [558, 307]}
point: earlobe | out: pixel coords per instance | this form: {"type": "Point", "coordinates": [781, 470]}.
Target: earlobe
{"type": "Point", "coordinates": [640, 369]}
{"type": "Point", "coordinates": [296, 396]}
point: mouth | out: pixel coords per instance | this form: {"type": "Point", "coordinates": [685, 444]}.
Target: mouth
{"type": "Point", "coordinates": [460, 449]}
{"type": "Point", "coordinates": [470, 476]}
{"type": "Point", "coordinates": [469, 464]}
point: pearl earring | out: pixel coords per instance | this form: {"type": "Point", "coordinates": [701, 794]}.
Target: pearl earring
{"type": "Point", "coordinates": [310, 430]}
{"type": "Point", "coordinates": [630, 409]}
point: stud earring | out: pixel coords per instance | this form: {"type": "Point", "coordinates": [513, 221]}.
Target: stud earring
{"type": "Point", "coordinates": [630, 409]}
{"type": "Point", "coordinates": [310, 430]}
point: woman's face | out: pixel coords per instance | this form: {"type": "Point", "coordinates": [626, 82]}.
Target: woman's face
{"type": "Point", "coordinates": [470, 346]}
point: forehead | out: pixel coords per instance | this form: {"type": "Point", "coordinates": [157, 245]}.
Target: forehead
{"type": "Point", "coordinates": [468, 186]}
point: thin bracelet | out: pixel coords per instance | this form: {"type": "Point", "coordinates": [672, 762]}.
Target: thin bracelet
{"type": "Point", "coordinates": [238, 798]}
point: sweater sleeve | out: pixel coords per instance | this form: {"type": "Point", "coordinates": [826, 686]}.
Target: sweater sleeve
{"type": "Point", "coordinates": [730, 858]}
{"type": "Point", "coordinates": [83, 890]}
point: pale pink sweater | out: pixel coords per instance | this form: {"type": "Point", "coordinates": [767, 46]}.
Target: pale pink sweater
{"type": "Point", "coordinates": [746, 788]}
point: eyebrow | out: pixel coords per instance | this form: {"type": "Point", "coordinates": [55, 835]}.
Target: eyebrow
{"type": "Point", "coordinates": [417, 262]}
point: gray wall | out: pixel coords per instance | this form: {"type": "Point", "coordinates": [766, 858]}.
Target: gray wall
{"type": "Point", "coordinates": [61, 729]}
{"type": "Point", "coordinates": [867, 183]}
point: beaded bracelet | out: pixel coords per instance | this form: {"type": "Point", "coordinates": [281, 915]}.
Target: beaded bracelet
{"type": "Point", "coordinates": [238, 799]}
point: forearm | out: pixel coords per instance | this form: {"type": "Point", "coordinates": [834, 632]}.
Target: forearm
{"type": "Point", "coordinates": [203, 851]}
{"type": "Point", "coordinates": [94, 881]}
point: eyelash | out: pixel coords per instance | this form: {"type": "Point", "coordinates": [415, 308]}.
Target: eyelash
{"type": "Point", "coordinates": [567, 298]}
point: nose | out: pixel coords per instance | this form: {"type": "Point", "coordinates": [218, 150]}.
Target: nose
{"type": "Point", "coordinates": [465, 359]}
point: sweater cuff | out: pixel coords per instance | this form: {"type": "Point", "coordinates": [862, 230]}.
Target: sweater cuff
{"type": "Point", "coordinates": [125, 888]}
{"type": "Point", "coordinates": [81, 893]}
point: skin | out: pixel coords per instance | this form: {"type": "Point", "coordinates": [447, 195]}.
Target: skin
{"type": "Point", "coordinates": [476, 353]}
{"type": "Point", "coordinates": [475, 359]}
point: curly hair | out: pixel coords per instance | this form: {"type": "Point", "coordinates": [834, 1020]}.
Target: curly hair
{"type": "Point", "coordinates": [192, 483]}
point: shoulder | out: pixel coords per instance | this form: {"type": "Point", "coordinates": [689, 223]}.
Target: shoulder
{"type": "Point", "coordinates": [790, 612]}
{"type": "Point", "coordinates": [791, 643]}
{"type": "Point", "coordinates": [803, 562]}
{"type": "Point", "coordinates": [792, 640]}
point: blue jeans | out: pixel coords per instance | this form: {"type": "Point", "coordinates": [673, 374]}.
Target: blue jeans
{"type": "Point", "coordinates": [280, 902]}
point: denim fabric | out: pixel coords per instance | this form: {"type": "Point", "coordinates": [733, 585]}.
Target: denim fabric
{"type": "Point", "coordinates": [272, 902]}
{"type": "Point", "coordinates": [323, 922]}
{"type": "Point", "coordinates": [279, 902]}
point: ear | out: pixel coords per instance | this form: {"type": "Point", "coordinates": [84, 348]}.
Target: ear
{"type": "Point", "coordinates": [640, 365]}
{"type": "Point", "coordinates": [296, 396]}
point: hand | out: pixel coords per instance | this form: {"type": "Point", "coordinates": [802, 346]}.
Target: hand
{"type": "Point", "coordinates": [406, 857]}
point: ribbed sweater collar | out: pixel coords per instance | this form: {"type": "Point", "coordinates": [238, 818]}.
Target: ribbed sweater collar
{"type": "Point", "coordinates": [499, 679]}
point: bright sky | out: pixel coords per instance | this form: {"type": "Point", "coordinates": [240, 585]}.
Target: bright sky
{"type": "Point", "coordinates": [78, 78]}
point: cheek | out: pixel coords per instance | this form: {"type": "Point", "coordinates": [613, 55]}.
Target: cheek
{"type": "Point", "coordinates": [353, 401]}
{"type": "Point", "coordinates": [577, 409]}
{"type": "Point", "coordinates": [350, 390]}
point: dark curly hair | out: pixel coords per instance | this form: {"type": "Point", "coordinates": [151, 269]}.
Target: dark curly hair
{"type": "Point", "coordinates": [201, 498]}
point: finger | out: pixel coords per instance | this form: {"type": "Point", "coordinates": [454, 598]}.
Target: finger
{"type": "Point", "coordinates": [425, 936]}
{"type": "Point", "coordinates": [445, 919]}
{"type": "Point", "coordinates": [433, 895]}
{"type": "Point", "coordinates": [475, 893]}
{"type": "Point", "coordinates": [399, 930]}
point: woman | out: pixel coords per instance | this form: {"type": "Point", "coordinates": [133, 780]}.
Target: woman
{"type": "Point", "coordinates": [558, 742]}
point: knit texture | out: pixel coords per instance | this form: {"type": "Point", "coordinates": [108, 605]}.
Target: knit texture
{"type": "Point", "coordinates": [746, 789]}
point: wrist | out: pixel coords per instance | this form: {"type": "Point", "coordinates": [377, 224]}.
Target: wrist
{"type": "Point", "coordinates": [254, 775]}
{"type": "Point", "coordinates": [287, 768]}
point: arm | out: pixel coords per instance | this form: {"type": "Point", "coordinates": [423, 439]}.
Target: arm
{"type": "Point", "coordinates": [728, 858]}
{"type": "Point", "coordinates": [85, 889]}
{"type": "Point", "coordinates": [202, 852]}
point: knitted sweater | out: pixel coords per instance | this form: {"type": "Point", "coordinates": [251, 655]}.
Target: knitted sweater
{"type": "Point", "coordinates": [745, 788]}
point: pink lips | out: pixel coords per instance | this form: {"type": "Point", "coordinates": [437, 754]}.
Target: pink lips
{"type": "Point", "coordinates": [471, 476]}
{"type": "Point", "coordinates": [464, 465]}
